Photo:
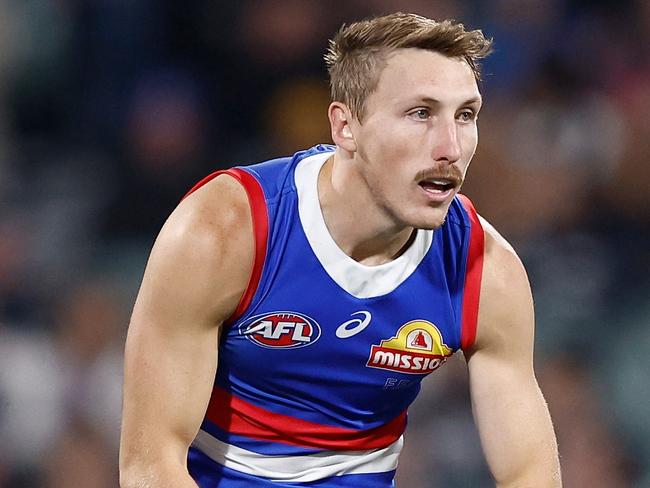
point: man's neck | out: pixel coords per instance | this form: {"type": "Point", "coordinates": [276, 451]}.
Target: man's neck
{"type": "Point", "coordinates": [353, 218]}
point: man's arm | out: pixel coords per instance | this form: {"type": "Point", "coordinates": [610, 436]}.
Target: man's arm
{"type": "Point", "coordinates": [196, 274]}
{"type": "Point", "coordinates": [510, 412]}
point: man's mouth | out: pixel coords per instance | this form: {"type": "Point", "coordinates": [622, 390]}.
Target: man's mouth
{"type": "Point", "coordinates": [437, 185]}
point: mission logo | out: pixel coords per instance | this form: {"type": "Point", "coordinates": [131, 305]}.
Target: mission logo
{"type": "Point", "coordinates": [417, 348]}
{"type": "Point", "coordinates": [281, 330]}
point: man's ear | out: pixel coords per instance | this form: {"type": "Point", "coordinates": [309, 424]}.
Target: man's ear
{"type": "Point", "coordinates": [340, 118]}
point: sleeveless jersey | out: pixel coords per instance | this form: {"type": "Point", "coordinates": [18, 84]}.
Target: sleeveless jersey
{"type": "Point", "coordinates": [324, 355]}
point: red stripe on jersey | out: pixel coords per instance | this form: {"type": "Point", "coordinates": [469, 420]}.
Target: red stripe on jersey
{"type": "Point", "coordinates": [473, 274]}
{"type": "Point", "coordinates": [237, 416]}
{"type": "Point", "coordinates": [260, 219]}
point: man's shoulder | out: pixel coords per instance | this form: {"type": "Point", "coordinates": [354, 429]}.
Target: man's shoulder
{"type": "Point", "coordinates": [211, 225]}
{"type": "Point", "coordinates": [505, 302]}
{"type": "Point", "coordinates": [498, 251]}
{"type": "Point", "coordinates": [205, 249]}
{"type": "Point", "coordinates": [218, 208]}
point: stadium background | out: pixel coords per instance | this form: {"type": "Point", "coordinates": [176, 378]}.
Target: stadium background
{"type": "Point", "coordinates": [111, 109]}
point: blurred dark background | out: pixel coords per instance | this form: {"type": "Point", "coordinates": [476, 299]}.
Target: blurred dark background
{"type": "Point", "coordinates": [111, 109]}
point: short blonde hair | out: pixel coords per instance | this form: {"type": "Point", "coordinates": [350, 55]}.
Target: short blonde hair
{"type": "Point", "coordinates": [358, 51]}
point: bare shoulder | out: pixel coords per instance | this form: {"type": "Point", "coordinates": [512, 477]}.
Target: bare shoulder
{"type": "Point", "coordinates": [503, 270]}
{"type": "Point", "coordinates": [203, 255]}
{"type": "Point", "coordinates": [506, 308]}
{"type": "Point", "coordinates": [216, 218]}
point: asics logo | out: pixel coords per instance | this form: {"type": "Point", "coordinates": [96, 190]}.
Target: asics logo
{"type": "Point", "coordinates": [354, 326]}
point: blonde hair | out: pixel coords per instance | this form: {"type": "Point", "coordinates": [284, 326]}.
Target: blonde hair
{"type": "Point", "coordinates": [358, 52]}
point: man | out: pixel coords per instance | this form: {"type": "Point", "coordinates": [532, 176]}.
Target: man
{"type": "Point", "coordinates": [320, 289]}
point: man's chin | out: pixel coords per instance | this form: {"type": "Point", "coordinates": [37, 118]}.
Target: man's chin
{"type": "Point", "coordinates": [431, 225]}
{"type": "Point", "coordinates": [432, 219]}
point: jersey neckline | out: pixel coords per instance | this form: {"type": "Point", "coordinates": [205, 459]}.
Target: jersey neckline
{"type": "Point", "coordinates": [357, 279]}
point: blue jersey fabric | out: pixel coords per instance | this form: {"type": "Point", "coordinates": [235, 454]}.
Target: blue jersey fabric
{"type": "Point", "coordinates": [290, 365]}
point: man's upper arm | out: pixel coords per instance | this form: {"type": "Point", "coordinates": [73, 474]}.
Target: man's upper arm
{"type": "Point", "coordinates": [510, 412]}
{"type": "Point", "coordinates": [196, 274]}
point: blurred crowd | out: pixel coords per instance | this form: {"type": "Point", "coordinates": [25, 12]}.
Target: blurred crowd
{"type": "Point", "coordinates": [111, 109]}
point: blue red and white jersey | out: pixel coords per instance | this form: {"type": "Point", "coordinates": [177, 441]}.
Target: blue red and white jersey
{"type": "Point", "coordinates": [324, 355]}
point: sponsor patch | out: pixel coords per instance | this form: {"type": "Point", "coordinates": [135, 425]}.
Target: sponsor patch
{"type": "Point", "coordinates": [281, 330]}
{"type": "Point", "coordinates": [417, 348]}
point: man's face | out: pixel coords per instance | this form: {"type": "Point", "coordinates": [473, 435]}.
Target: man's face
{"type": "Point", "coordinates": [418, 136]}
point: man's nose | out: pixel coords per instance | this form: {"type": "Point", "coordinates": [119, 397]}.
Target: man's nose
{"type": "Point", "coordinates": [447, 147]}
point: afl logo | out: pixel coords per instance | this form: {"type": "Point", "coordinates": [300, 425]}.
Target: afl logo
{"type": "Point", "coordinates": [281, 330]}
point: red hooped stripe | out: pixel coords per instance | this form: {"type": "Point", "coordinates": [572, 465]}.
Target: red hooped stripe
{"type": "Point", "coordinates": [260, 219]}
{"type": "Point", "coordinates": [237, 416]}
{"type": "Point", "coordinates": [473, 274]}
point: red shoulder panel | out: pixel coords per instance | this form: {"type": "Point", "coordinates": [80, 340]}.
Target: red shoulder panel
{"type": "Point", "coordinates": [473, 274]}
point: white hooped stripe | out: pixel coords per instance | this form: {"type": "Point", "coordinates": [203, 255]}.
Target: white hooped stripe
{"type": "Point", "coordinates": [357, 279]}
{"type": "Point", "coordinates": [303, 468]}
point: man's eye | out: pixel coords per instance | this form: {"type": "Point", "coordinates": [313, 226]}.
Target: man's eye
{"type": "Point", "coordinates": [466, 115]}
{"type": "Point", "coordinates": [421, 114]}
